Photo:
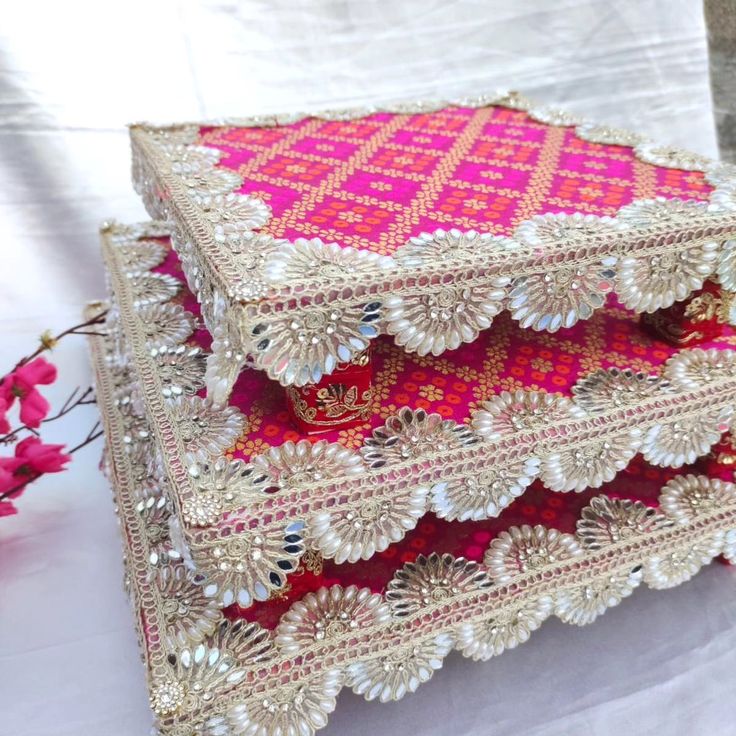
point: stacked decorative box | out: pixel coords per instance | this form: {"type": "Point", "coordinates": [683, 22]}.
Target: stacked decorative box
{"type": "Point", "coordinates": [367, 401]}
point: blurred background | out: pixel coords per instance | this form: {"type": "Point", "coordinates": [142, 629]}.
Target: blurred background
{"type": "Point", "coordinates": [72, 74]}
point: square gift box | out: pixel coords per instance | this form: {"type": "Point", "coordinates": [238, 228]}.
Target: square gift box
{"type": "Point", "coordinates": [306, 236]}
{"type": "Point", "coordinates": [528, 448]}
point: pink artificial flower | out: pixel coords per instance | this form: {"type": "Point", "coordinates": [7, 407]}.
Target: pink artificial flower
{"type": "Point", "coordinates": [36, 458]}
{"type": "Point", "coordinates": [8, 466]}
{"type": "Point", "coordinates": [4, 423]}
{"type": "Point", "coordinates": [32, 459]}
{"type": "Point", "coordinates": [7, 509]}
{"type": "Point", "coordinates": [21, 384]}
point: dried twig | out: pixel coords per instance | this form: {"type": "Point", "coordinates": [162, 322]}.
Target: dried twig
{"type": "Point", "coordinates": [48, 342]}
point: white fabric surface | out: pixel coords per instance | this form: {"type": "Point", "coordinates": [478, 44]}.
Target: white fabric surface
{"type": "Point", "coordinates": [71, 74]}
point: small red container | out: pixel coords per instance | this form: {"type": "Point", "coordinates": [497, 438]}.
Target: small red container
{"type": "Point", "coordinates": [699, 318]}
{"type": "Point", "coordinates": [720, 462]}
{"type": "Point", "coordinates": [341, 400]}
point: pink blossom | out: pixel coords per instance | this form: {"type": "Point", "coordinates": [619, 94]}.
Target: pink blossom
{"type": "Point", "coordinates": [37, 458]}
{"type": "Point", "coordinates": [21, 384]}
{"type": "Point", "coordinates": [8, 466]}
{"type": "Point", "coordinates": [32, 458]}
{"type": "Point", "coordinates": [4, 423]}
{"type": "Point", "coordinates": [7, 509]}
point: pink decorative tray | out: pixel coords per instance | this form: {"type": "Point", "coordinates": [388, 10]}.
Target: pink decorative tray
{"type": "Point", "coordinates": [461, 435]}
{"type": "Point", "coordinates": [304, 237]}
{"type": "Point", "coordinates": [544, 304]}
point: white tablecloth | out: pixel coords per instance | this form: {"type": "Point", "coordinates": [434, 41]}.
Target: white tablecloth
{"type": "Point", "coordinates": [71, 74]}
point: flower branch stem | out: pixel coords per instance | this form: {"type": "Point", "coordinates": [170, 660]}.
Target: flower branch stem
{"type": "Point", "coordinates": [50, 342]}
{"type": "Point", "coordinates": [92, 435]}
{"type": "Point", "coordinates": [89, 333]}
{"type": "Point", "coordinates": [71, 403]}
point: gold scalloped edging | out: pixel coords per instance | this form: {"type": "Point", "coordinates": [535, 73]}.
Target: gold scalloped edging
{"type": "Point", "coordinates": [275, 517]}
{"type": "Point", "coordinates": [411, 625]}
{"type": "Point", "coordinates": [391, 291]}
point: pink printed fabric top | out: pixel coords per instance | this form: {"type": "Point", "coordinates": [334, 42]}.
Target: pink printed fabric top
{"type": "Point", "coordinates": [375, 182]}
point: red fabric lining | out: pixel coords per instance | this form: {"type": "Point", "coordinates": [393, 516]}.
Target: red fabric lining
{"type": "Point", "coordinates": [561, 511]}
